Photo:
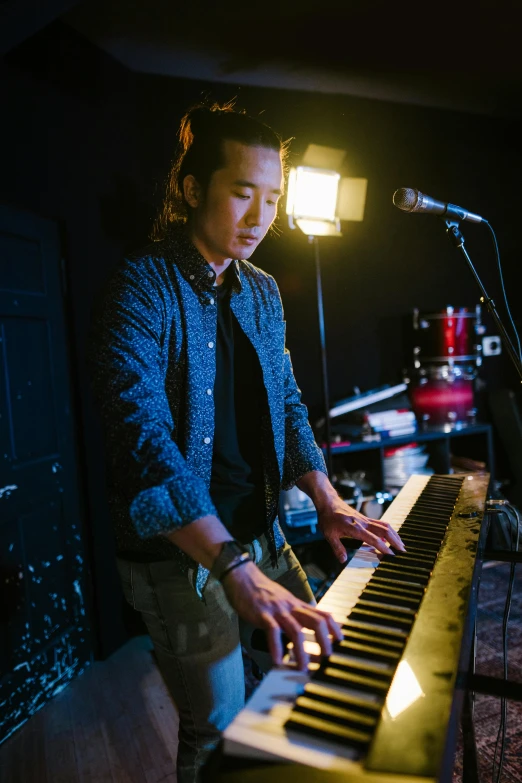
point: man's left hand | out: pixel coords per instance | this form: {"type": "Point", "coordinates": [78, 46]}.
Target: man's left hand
{"type": "Point", "coordinates": [339, 520]}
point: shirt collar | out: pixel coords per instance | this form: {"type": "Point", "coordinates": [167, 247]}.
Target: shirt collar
{"type": "Point", "coordinates": [193, 266]}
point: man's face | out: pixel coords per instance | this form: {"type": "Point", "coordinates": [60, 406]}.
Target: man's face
{"type": "Point", "coordinates": [234, 214]}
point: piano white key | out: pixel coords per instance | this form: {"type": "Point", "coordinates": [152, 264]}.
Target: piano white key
{"type": "Point", "coordinates": [346, 591]}
{"type": "Point", "coordinates": [340, 607]}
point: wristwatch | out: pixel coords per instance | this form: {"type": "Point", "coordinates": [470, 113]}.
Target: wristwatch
{"type": "Point", "coordinates": [232, 555]}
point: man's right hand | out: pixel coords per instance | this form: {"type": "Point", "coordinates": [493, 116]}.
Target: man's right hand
{"type": "Point", "coordinates": [257, 599]}
{"type": "Point", "coordinates": [265, 604]}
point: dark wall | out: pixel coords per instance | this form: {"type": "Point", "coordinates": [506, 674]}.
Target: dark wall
{"type": "Point", "coordinates": [88, 143]}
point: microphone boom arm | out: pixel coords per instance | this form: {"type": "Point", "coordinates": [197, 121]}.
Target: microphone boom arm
{"type": "Point", "coordinates": [455, 235]}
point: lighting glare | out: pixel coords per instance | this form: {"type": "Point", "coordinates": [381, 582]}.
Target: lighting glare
{"type": "Point", "coordinates": [312, 193]}
{"type": "Point", "coordinates": [404, 690]}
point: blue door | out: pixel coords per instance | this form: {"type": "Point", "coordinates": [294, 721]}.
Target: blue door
{"type": "Point", "coordinates": [44, 635]}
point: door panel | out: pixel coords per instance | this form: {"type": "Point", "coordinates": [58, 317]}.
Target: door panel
{"type": "Point", "coordinates": [44, 635]}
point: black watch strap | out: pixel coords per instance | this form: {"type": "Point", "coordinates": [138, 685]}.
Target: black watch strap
{"type": "Point", "coordinates": [231, 555]}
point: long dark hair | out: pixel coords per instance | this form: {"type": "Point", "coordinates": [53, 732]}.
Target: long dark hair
{"type": "Point", "coordinates": [202, 132]}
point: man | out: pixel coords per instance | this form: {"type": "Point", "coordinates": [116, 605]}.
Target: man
{"type": "Point", "coordinates": [204, 426]}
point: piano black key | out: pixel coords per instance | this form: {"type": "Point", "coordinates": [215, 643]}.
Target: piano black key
{"type": "Point", "coordinates": [414, 549]}
{"type": "Point", "coordinates": [445, 480]}
{"type": "Point", "coordinates": [428, 544]}
{"type": "Point", "coordinates": [436, 503]}
{"type": "Point", "coordinates": [348, 678]}
{"type": "Point", "coordinates": [430, 510]}
{"type": "Point", "coordinates": [317, 691]}
{"type": "Point", "coordinates": [413, 575]}
{"type": "Point", "coordinates": [385, 640]}
{"type": "Point", "coordinates": [438, 491]}
{"type": "Point", "coordinates": [403, 581]}
{"type": "Point", "coordinates": [426, 511]}
{"type": "Point", "coordinates": [366, 603]}
{"type": "Point", "coordinates": [388, 619]}
{"type": "Point", "coordinates": [443, 493]}
{"type": "Point", "coordinates": [423, 513]}
{"type": "Point", "coordinates": [366, 651]}
{"type": "Point", "coordinates": [327, 730]}
{"type": "Point", "coordinates": [365, 626]}
{"type": "Point", "coordinates": [381, 672]}
{"type": "Point", "coordinates": [371, 595]}
{"type": "Point", "coordinates": [334, 713]}
{"type": "Point", "coordinates": [433, 507]}
{"type": "Point", "coordinates": [428, 557]}
{"type": "Point", "coordinates": [407, 563]}
{"type": "Point", "coordinates": [429, 547]}
{"type": "Point", "coordinates": [384, 581]}
{"type": "Point", "coordinates": [390, 588]}
{"type": "Point", "coordinates": [422, 525]}
{"type": "Point", "coordinates": [422, 533]}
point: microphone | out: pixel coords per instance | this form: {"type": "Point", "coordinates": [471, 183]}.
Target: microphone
{"type": "Point", "coordinates": [412, 200]}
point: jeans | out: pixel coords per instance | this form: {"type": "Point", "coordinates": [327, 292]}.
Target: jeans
{"type": "Point", "coordinates": [198, 645]}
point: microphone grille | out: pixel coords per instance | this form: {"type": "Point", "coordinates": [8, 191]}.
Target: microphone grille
{"type": "Point", "coordinates": [406, 199]}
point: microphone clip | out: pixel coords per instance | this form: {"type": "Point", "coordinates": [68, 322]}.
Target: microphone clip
{"type": "Point", "coordinates": [453, 230]}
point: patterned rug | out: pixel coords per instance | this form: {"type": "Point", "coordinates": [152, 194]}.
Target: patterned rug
{"type": "Point", "coordinates": [493, 588]}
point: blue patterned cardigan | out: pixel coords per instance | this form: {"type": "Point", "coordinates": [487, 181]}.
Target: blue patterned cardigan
{"type": "Point", "coordinates": [153, 360]}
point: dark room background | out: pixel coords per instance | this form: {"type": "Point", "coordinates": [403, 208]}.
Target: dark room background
{"type": "Point", "coordinates": [87, 143]}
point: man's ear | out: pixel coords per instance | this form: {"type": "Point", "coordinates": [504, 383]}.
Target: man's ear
{"type": "Point", "coordinates": [191, 191]}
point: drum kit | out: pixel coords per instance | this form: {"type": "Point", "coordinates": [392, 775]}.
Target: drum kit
{"type": "Point", "coordinates": [447, 351]}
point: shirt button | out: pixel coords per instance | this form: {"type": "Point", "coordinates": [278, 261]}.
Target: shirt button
{"type": "Point", "coordinates": [211, 274]}
{"type": "Point", "coordinates": [192, 277]}
{"type": "Point", "coordinates": [211, 344]}
{"type": "Point", "coordinates": [209, 391]}
{"type": "Point", "coordinates": [206, 440]}
{"type": "Point", "coordinates": [212, 301]}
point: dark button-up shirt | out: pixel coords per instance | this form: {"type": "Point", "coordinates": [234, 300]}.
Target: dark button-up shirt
{"type": "Point", "coordinates": [153, 360]}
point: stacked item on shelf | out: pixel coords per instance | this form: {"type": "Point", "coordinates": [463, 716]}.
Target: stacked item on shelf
{"type": "Point", "coordinates": [391, 423]}
{"type": "Point", "coordinates": [400, 462]}
{"type": "Point", "coordinates": [370, 416]}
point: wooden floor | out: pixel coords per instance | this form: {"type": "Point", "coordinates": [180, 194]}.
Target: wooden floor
{"type": "Point", "coordinates": [114, 724]}
{"type": "Point", "coordinates": [117, 723]}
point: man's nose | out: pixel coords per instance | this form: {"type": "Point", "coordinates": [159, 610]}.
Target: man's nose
{"type": "Point", "coordinates": [255, 214]}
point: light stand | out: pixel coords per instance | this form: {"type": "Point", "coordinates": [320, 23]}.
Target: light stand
{"type": "Point", "coordinates": [318, 198]}
{"type": "Point", "coordinates": [324, 367]}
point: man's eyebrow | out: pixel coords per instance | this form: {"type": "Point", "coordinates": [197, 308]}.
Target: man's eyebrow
{"type": "Point", "coordinates": [243, 183]}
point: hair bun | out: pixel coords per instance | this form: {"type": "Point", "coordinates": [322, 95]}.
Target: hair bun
{"type": "Point", "coordinates": [200, 120]}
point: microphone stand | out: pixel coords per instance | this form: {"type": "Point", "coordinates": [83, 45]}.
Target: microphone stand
{"type": "Point", "coordinates": [454, 233]}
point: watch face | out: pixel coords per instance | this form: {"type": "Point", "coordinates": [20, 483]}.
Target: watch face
{"type": "Point", "coordinates": [229, 551]}
{"type": "Point", "coordinates": [233, 548]}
